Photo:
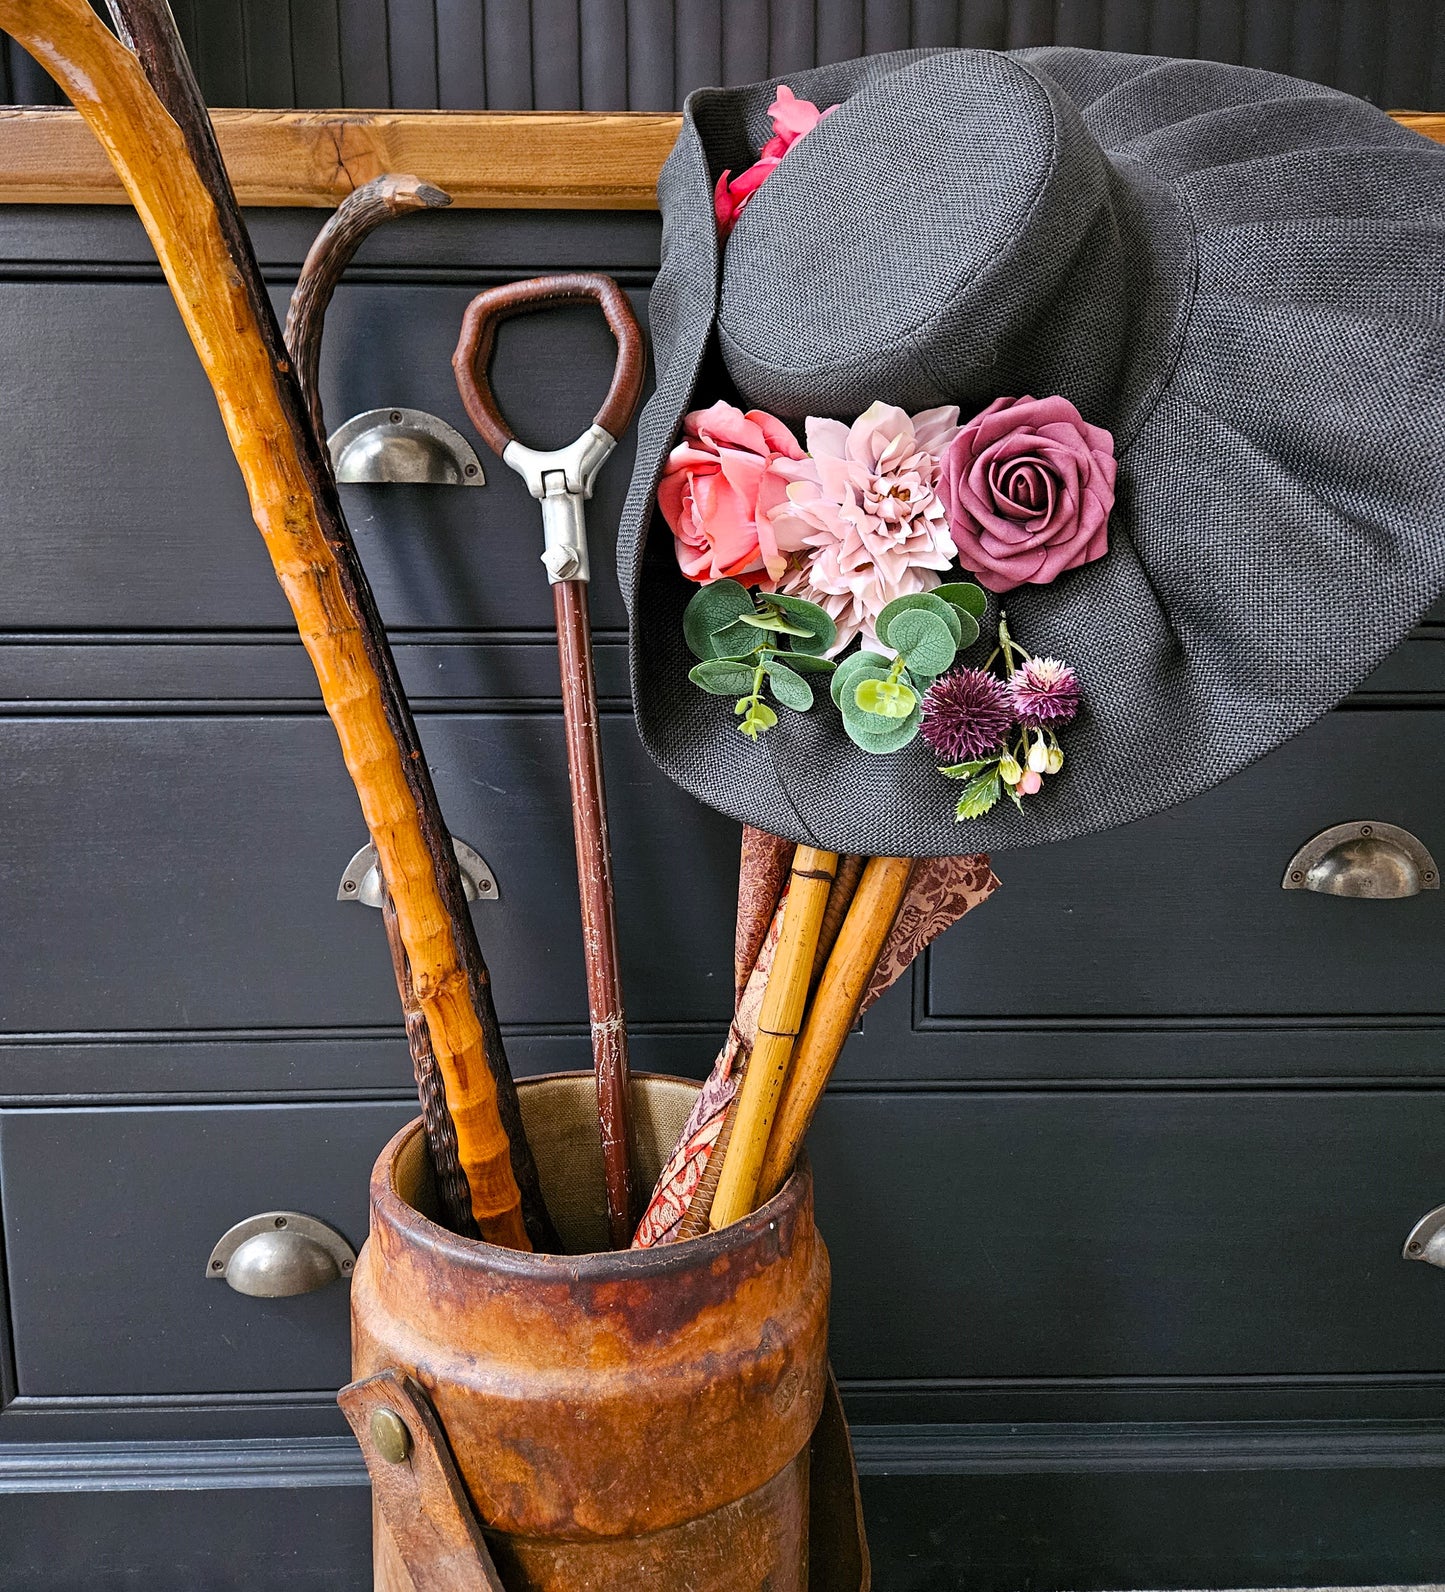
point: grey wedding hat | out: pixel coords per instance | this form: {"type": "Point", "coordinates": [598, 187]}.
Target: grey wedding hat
{"type": "Point", "coordinates": [1239, 274]}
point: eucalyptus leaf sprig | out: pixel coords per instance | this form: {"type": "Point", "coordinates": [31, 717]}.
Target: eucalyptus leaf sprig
{"type": "Point", "coordinates": [743, 639]}
{"type": "Point", "coordinates": [881, 698]}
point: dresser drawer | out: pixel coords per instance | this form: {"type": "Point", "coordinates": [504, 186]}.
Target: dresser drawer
{"type": "Point", "coordinates": [109, 1217]}
{"type": "Point", "coordinates": [1182, 914]}
{"type": "Point", "coordinates": [145, 525]}
{"type": "Point", "coordinates": [1130, 1234]}
{"type": "Point", "coordinates": [181, 873]}
{"type": "Point", "coordinates": [983, 1236]}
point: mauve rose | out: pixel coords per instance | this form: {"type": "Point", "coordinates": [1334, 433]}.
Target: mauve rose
{"type": "Point", "coordinates": [1028, 486]}
{"type": "Point", "coordinates": [717, 490]}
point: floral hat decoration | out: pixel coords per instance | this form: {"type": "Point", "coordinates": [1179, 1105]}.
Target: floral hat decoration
{"type": "Point", "coordinates": [1039, 438]}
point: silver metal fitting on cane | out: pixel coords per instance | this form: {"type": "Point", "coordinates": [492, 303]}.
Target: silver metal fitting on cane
{"type": "Point", "coordinates": [562, 481]}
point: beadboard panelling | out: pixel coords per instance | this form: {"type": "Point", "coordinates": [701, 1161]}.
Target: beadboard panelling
{"type": "Point", "coordinates": [649, 54]}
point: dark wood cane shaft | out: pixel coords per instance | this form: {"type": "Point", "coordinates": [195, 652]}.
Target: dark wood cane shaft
{"type": "Point", "coordinates": [359, 214]}
{"type": "Point", "coordinates": [599, 917]}
{"type": "Point", "coordinates": [355, 218]}
{"type": "Point", "coordinates": [441, 1131]}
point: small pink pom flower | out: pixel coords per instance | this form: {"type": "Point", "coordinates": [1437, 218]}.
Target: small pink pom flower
{"type": "Point", "coordinates": [1044, 693]}
{"type": "Point", "coordinates": [966, 715]}
{"type": "Point", "coordinates": [792, 118]}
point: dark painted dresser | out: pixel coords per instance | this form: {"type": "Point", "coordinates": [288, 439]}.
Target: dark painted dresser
{"type": "Point", "coordinates": [1115, 1185]}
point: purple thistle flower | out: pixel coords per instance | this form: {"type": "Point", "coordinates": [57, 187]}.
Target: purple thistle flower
{"type": "Point", "coordinates": [966, 715]}
{"type": "Point", "coordinates": [1044, 693]}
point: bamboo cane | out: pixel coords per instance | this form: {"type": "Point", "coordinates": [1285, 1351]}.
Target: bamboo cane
{"type": "Point", "coordinates": [833, 1012]}
{"type": "Point", "coordinates": [809, 881]}
{"type": "Point", "coordinates": [152, 125]}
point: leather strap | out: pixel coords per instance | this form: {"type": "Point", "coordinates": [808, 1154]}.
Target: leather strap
{"type": "Point", "coordinates": [419, 1495]}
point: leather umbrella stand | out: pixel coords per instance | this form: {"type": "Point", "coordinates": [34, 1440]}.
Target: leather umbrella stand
{"type": "Point", "coordinates": [658, 1420]}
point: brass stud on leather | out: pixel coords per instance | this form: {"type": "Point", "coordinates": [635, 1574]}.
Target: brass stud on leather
{"type": "Point", "coordinates": [389, 1434]}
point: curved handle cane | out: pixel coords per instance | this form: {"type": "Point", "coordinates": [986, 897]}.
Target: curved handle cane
{"type": "Point", "coordinates": [473, 358]}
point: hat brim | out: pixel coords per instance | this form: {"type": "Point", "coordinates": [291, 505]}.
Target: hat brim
{"type": "Point", "coordinates": [1280, 519]}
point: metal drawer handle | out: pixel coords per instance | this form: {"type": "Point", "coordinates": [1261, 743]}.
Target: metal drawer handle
{"type": "Point", "coordinates": [1371, 861]}
{"type": "Point", "coordinates": [403, 445]}
{"type": "Point", "coordinates": [361, 881]}
{"type": "Point", "coordinates": [1427, 1238]}
{"type": "Point", "coordinates": [276, 1254]}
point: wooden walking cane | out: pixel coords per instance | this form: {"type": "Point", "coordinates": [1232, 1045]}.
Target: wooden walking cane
{"type": "Point", "coordinates": [140, 99]}
{"type": "Point", "coordinates": [562, 480]}
{"type": "Point", "coordinates": [347, 228]}
{"type": "Point", "coordinates": [359, 214]}
{"type": "Point", "coordinates": [840, 992]}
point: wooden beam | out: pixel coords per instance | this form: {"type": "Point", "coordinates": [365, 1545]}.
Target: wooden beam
{"type": "Point", "coordinates": [1430, 124]}
{"type": "Point", "coordinates": [487, 160]}
{"type": "Point", "coordinates": [496, 160]}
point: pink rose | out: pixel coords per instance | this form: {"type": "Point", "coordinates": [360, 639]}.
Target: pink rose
{"type": "Point", "coordinates": [792, 118]}
{"type": "Point", "coordinates": [718, 488]}
{"type": "Point", "coordinates": [1028, 486]}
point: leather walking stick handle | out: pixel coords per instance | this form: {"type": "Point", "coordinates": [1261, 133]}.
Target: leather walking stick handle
{"type": "Point", "coordinates": [489, 309]}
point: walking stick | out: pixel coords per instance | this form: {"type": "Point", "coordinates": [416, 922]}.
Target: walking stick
{"type": "Point", "coordinates": [563, 481]}
{"type": "Point", "coordinates": [140, 99]}
{"type": "Point", "coordinates": [840, 992]}
{"type": "Point", "coordinates": [347, 228]}
{"type": "Point", "coordinates": [359, 214]}
{"type": "Point", "coordinates": [809, 881]}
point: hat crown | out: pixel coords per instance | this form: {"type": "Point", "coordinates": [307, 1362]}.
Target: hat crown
{"type": "Point", "coordinates": [985, 196]}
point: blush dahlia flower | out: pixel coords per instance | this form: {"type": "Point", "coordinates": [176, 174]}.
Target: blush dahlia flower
{"type": "Point", "coordinates": [869, 523]}
{"type": "Point", "coordinates": [1044, 693]}
{"type": "Point", "coordinates": [966, 715]}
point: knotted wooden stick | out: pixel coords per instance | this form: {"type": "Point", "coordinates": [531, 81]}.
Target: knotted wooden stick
{"type": "Point", "coordinates": [152, 124]}
{"type": "Point", "coordinates": [346, 229]}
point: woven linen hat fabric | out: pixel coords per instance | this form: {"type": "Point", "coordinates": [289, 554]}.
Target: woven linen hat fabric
{"type": "Point", "coordinates": [1237, 273]}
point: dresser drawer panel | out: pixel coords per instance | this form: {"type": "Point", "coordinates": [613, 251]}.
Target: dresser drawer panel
{"type": "Point", "coordinates": [110, 1216]}
{"type": "Point", "coordinates": [181, 873]}
{"type": "Point", "coordinates": [990, 1236]}
{"type": "Point", "coordinates": [1183, 914]}
{"type": "Point", "coordinates": [146, 524]}
{"type": "Point", "coordinates": [43, 673]}
{"type": "Point", "coordinates": [1130, 1234]}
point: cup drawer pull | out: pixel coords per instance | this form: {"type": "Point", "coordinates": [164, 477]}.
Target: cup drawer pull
{"type": "Point", "coordinates": [403, 445]}
{"type": "Point", "coordinates": [276, 1254]}
{"type": "Point", "coordinates": [1370, 861]}
{"type": "Point", "coordinates": [1427, 1238]}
